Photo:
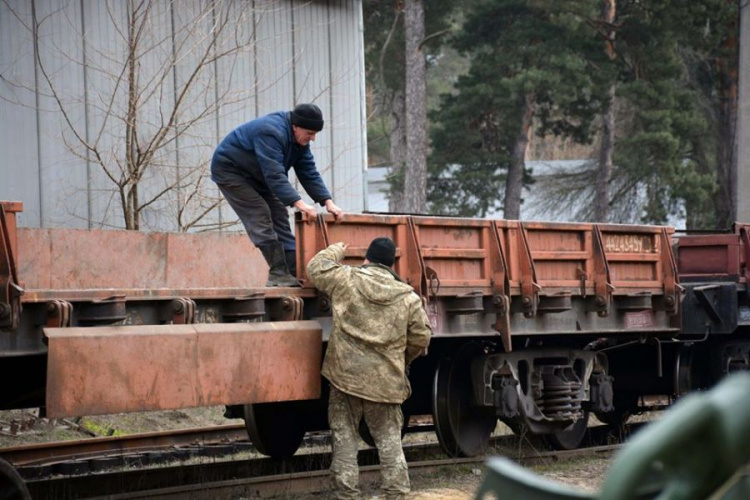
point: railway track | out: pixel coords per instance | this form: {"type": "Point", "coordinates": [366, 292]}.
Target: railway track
{"type": "Point", "coordinates": [245, 478]}
{"type": "Point", "coordinates": [308, 482]}
{"type": "Point", "coordinates": [221, 463]}
{"type": "Point", "coordinates": [28, 456]}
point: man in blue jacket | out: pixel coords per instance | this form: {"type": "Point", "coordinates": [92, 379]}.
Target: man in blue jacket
{"type": "Point", "coordinates": [251, 167]}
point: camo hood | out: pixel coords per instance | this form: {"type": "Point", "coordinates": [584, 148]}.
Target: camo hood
{"type": "Point", "coordinates": [379, 285]}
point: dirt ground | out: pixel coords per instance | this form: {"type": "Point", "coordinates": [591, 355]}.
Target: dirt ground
{"type": "Point", "coordinates": [583, 475]}
{"type": "Point", "coordinates": [19, 427]}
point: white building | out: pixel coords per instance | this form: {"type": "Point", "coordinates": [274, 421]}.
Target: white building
{"type": "Point", "coordinates": [237, 59]}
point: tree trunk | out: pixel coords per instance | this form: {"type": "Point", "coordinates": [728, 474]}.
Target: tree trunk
{"type": "Point", "coordinates": [415, 181]}
{"type": "Point", "coordinates": [132, 209]}
{"type": "Point", "coordinates": [397, 152]}
{"type": "Point", "coordinates": [514, 183]}
{"type": "Point", "coordinates": [131, 139]}
{"type": "Point", "coordinates": [604, 174]}
{"type": "Point", "coordinates": [725, 198]}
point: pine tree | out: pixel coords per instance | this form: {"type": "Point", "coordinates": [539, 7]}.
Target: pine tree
{"type": "Point", "coordinates": [527, 64]}
{"type": "Point", "coordinates": [676, 76]}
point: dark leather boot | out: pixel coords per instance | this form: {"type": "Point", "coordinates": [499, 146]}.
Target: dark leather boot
{"type": "Point", "coordinates": [291, 261]}
{"type": "Point", "coordinates": [278, 273]}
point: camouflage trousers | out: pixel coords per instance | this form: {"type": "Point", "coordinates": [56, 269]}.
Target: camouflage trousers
{"type": "Point", "coordinates": [384, 421]}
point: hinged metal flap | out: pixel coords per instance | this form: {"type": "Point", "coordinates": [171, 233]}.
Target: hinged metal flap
{"type": "Point", "coordinates": [114, 369]}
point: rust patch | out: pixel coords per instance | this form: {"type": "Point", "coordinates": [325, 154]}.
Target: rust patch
{"type": "Point", "coordinates": [137, 368]}
{"type": "Point", "coordinates": [78, 259]}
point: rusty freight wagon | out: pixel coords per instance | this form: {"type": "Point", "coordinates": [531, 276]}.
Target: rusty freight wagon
{"type": "Point", "coordinates": [535, 324]}
{"type": "Point", "coordinates": [714, 273]}
{"type": "Point", "coordinates": [524, 317]}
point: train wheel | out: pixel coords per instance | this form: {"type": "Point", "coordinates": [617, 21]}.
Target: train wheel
{"type": "Point", "coordinates": [12, 486]}
{"type": "Point", "coordinates": [570, 439]}
{"type": "Point", "coordinates": [462, 428]}
{"type": "Point", "coordinates": [276, 429]}
{"type": "Point", "coordinates": [683, 371]}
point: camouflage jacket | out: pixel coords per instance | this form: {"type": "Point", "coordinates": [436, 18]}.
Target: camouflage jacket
{"type": "Point", "coordinates": [379, 327]}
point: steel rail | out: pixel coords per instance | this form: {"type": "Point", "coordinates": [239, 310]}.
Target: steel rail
{"type": "Point", "coordinates": [263, 476]}
{"type": "Point", "coordinates": [317, 481]}
{"type": "Point", "coordinates": [60, 450]}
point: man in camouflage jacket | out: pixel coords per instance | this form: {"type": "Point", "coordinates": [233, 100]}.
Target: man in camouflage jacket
{"type": "Point", "coordinates": [379, 328]}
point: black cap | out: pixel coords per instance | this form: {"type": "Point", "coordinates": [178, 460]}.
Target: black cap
{"type": "Point", "coordinates": [382, 251]}
{"type": "Point", "coordinates": [308, 116]}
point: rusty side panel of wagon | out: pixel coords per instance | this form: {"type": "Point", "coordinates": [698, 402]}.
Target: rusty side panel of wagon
{"type": "Point", "coordinates": [714, 271]}
{"type": "Point", "coordinates": [131, 321]}
{"type": "Point", "coordinates": [490, 277]}
{"type": "Point", "coordinates": [717, 257]}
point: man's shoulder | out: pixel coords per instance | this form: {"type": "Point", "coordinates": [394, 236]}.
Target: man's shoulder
{"type": "Point", "coordinates": [279, 118]}
{"type": "Point", "coordinates": [413, 297]}
{"type": "Point", "coordinates": [273, 124]}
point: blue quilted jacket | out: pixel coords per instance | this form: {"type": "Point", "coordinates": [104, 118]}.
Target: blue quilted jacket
{"type": "Point", "coordinates": [261, 152]}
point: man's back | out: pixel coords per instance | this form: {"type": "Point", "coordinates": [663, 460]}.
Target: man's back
{"type": "Point", "coordinates": [379, 327]}
{"type": "Point", "coordinates": [235, 156]}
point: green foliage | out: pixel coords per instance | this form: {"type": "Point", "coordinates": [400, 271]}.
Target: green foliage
{"type": "Point", "coordinates": [674, 62]}
{"type": "Point", "coordinates": [656, 152]}
{"type": "Point", "coordinates": [517, 49]}
{"type": "Point", "coordinates": [666, 48]}
{"type": "Point", "coordinates": [377, 141]}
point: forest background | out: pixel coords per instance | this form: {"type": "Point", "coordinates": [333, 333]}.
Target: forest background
{"type": "Point", "coordinates": [461, 95]}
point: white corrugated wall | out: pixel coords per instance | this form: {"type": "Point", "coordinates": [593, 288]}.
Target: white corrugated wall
{"type": "Point", "coordinates": [294, 52]}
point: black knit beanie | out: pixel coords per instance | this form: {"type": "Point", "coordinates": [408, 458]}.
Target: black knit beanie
{"type": "Point", "coordinates": [308, 116]}
{"type": "Point", "coordinates": [382, 251]}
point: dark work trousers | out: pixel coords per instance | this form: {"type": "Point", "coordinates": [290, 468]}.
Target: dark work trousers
{"type": "Point", "coordinates": [265, 218]}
